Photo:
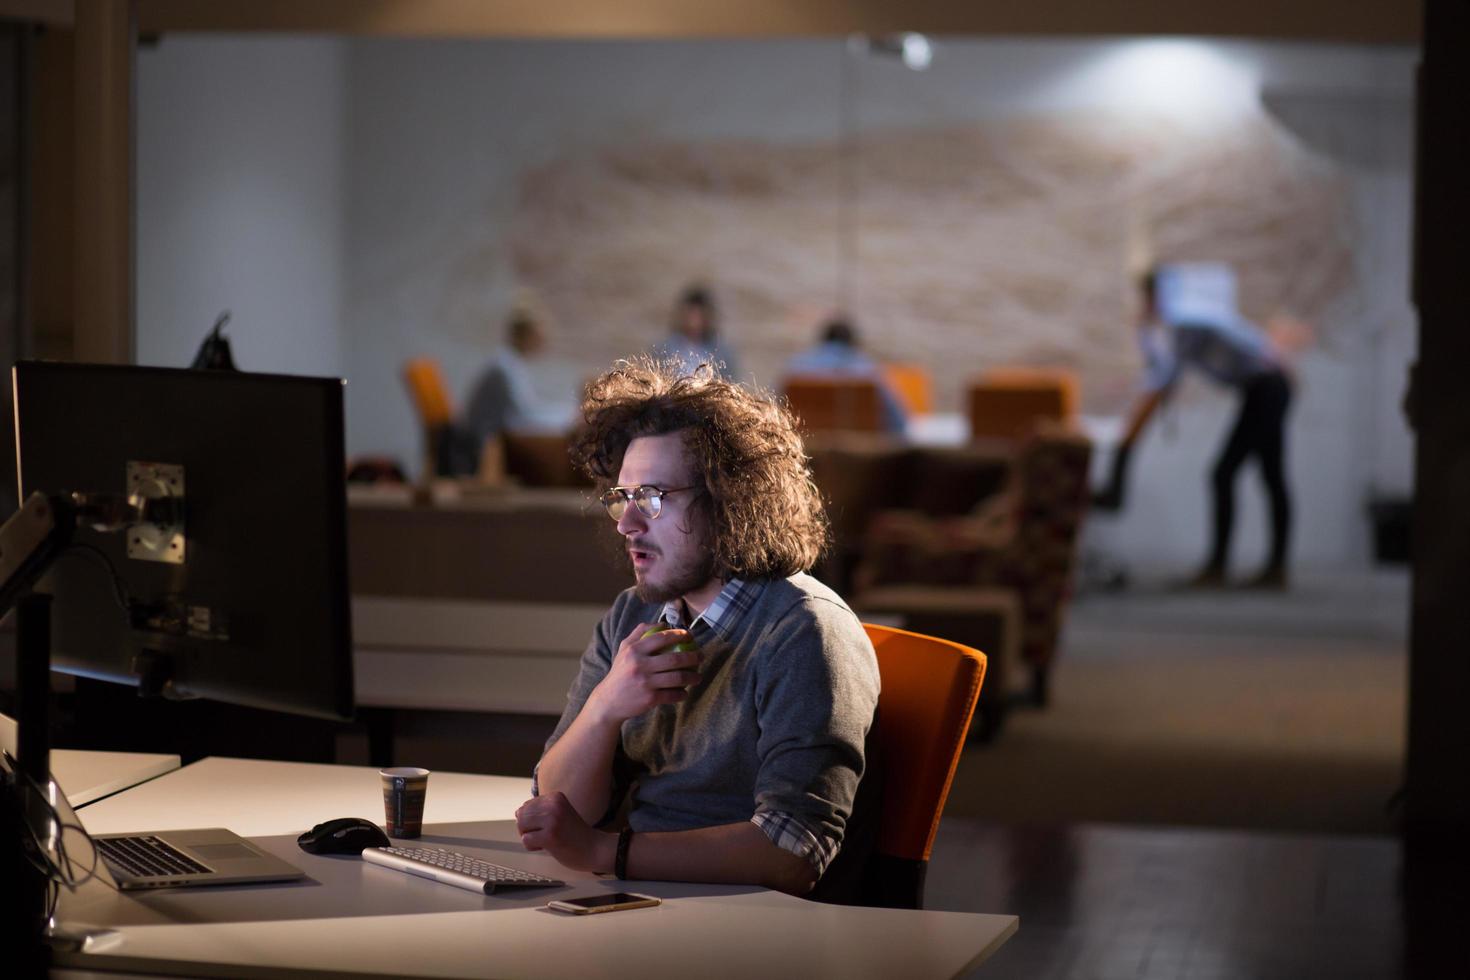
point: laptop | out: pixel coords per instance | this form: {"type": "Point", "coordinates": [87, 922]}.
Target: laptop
{"type": "Point", "coordinates": [135, 862]}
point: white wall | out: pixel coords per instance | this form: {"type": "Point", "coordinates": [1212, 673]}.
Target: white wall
{"type": "Point", "coordinates": [240, 189]}
{"type": "Point", "coordinates": [374, 188]}
{"type": "Point", "coordinates": [440, 135]}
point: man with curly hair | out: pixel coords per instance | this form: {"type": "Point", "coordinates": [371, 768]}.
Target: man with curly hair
{"type": "Point", "coordinates": [740, 727]}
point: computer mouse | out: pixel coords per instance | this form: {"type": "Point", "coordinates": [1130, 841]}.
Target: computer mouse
{"type": "Point", "coordinates": [345, 835]}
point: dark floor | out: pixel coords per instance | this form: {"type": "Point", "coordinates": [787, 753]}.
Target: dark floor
{"type": "Point", "coordinates": [1104, 901]}
{"type": "Point", "coordinates": [1289, 711]}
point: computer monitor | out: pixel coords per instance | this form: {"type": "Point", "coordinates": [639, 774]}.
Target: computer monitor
{"type": "Point", "coordinates": [248, 603]}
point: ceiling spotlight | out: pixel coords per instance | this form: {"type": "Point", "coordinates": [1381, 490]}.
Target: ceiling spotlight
{"type": "Point", "coordinates": [917, 53]}
{"type": "Point", "coordinates": [913, 49]}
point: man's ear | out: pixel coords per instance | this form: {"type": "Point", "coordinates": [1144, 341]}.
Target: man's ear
{"type": "Point", "coordinates": [700, 514]}
{"type": "Point", "coordinates": [698, 517]}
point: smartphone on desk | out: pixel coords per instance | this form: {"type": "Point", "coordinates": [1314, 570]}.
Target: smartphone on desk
{"type": "Point", "coordinates": [611, 902]}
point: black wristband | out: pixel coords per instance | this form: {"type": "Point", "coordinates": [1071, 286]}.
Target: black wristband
{"type": "Point", "coordinates": [620, 863]}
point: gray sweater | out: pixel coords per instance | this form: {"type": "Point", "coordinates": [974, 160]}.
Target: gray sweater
{"type": "Point", "coordinates": [788, 687]}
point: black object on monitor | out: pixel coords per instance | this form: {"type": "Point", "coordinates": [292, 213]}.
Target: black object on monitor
{"type": "Point", "coordinates": [235, 587]}
{"type": "Point", "coordinates": [181, 531]}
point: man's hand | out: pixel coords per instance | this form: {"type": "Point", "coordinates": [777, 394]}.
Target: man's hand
{"type": "Point", "coordinates": [645, 672]}
{"type": "Point", "coordinates": [551, 824]}
{"type": "Point", "coordinates": [1111, 498]}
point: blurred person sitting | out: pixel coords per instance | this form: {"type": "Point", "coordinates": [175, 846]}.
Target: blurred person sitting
{"type": "Point", "coordinates": [694, 336]}
{"type": "Point", "coordinates": [837, 353]}
{"type": "Point", "coordinates": [506, 396]}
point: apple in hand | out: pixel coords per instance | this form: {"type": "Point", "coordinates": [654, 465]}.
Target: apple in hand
{"type": "Point", "coordinates": [684, 646]}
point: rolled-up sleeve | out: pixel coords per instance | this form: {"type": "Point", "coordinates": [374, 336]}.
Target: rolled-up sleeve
{"type": "Point", "coordinates": [815, 698]}
{"type": "Point", "coordinates": [788, 832]}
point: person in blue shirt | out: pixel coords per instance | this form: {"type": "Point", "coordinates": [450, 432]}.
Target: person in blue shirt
{"type": "Point", "coordinates": [838, 354]}
{"type": "Point", "coordinates": [694, 336]}
{"type": "Point", "coordinates": [1176, 333]}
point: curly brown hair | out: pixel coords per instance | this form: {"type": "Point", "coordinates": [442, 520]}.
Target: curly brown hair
{"type": "Point", "coordinates": [764, 510]}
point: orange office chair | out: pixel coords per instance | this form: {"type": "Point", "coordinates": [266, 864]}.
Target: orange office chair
{"type": "Point", "coordinates": [914, 386]}
{"type": "Point", "coordinates": [929, 688]}
{"type": "Point", "coordinates": [427, 389]}
{"type": "Point", "coordinates": [430, 397]}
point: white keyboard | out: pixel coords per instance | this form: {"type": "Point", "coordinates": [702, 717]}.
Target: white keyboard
{"type": "Point", "coordinates": [453, 868]}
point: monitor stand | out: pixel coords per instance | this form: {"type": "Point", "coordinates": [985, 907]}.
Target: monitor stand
{"type": "Point", "coordinates": [25, 922]}
{"type": "Point", "coordinates": [30, 541]}
{"type": "Point", "coordinates": [30, 927]}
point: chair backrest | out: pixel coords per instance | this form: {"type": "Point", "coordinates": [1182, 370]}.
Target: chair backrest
{"type": "Point", "coordinates": [830, 404]}
{"type": "Point", "coordinates": [429, 393]}
{"type": "Point", "coordinates": [914, 386]}
{"type": "Point", "coordinates": [1007, 403]}
{"type": "Point", "coordinates": [929, 689]}
{"type": "Point", "coordinates": [430, 397]}
{"type": "Point", "coordinates": [540, 460]}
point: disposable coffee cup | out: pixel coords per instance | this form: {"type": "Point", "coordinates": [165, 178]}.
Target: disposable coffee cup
{"type": "Point", "coordinates": [404, 789]}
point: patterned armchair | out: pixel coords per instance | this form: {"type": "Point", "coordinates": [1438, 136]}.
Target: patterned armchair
{"type": "Point", "coordinates": [1023, 538]}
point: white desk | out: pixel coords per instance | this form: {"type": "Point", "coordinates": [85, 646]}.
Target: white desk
{"type": "Point", "coordinates": [258, 799]}
{"type": "Point", "coordinates": [353, 919]}
{"type": "Point", "coordinates": [87, 776]}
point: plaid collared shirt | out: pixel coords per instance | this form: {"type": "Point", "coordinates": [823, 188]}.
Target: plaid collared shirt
{"type": "Point", "coordinates": [786, 830]}
{"type": "Point", "coordinates": [734, 599]}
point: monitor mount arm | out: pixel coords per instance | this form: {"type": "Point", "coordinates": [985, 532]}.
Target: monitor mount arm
{"type": "Point", "coordinates": [30, 541]}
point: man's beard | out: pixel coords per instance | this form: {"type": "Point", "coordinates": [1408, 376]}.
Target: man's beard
{"type": "Point", "coordinates": [681, 580]}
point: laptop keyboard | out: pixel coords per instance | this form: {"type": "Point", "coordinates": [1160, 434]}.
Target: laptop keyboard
{"type": "Point", "coordinates": [495, 874]}
{"type": "Point", "coordinates": [147, 857]}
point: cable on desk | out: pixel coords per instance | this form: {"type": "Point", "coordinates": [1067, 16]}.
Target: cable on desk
{"type": "Point", "coordinates": [53, 858]}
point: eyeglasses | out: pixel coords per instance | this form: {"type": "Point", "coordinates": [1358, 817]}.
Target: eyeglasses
{"type": "Point", "coordinates": [648, 499]}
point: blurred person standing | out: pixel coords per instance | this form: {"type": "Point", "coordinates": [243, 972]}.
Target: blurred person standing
{"type": "Point", "coordinates": [1188, 319]}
